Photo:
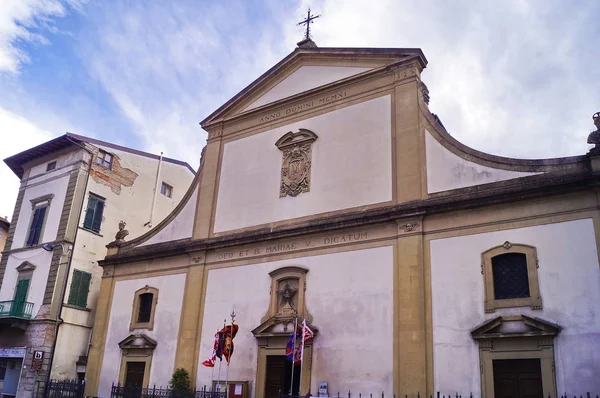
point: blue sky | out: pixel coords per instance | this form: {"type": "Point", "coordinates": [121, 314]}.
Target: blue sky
{"type": "Point", "coordinates": [515, 78]}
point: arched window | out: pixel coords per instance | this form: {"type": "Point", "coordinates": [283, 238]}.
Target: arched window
{"type": "Point", "coordinates": [144, 307]}
{"type": "Point", "coordinates": [510, 274]}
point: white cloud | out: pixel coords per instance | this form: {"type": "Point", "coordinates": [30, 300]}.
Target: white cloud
{"type": "Point", "coordinates": [168, 66]}
{"type": "Point", "coordinates": [510, 78]}
{"type": "Point", "coordinates": [22, 21]}
{"type": "Point", "coordinates": [18, 134]}
{"type": "Point", "coordinates": [513, 78]}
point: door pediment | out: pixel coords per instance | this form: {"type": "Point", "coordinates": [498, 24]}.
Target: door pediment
{"type": "Point", "coordinates": [278, 326]}
{"type": "Point", "coordinates": [138, 341]}
{"type": "Point", "coordinates": [514, 326]}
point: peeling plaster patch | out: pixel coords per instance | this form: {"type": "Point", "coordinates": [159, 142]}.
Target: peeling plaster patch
{"type": "Point", "coordinates": [116, 177]}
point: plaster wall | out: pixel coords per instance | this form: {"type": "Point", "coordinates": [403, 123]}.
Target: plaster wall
{"type": "Point", "coordinates": [569, 281]}
{"type": "Point", "coordinates": [64, 158]}
{"type": "Point", "coordinates": [180, 227]}
{"type": "Point", "coordinates": [165, 332]}
{"type": "Point", "coordinates": [351, 167]}
{"type": "Point", "coordinates": [303, 79]}
{"type": "Point", "coordinates": [354, 318]}
{"type": "Point", "coordinates": [447, 171]}
{"type": "Point", "coordinates": [37, 284]}
{"type": "Point", "coordinates": [55, 186]}
{"type": "Point", "coordinates": [132, 204]}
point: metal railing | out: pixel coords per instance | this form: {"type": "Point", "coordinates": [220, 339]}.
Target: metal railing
{"type": "Point", "coordinates": [16, 309]}
{"type": "Point", "coordinates": [63, 389]}
{"type": "Point", "coordinates": [351, 394]}
{"type": "Point", "coordinates": [118, 391]}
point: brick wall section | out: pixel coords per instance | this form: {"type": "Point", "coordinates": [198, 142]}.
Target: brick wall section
{"type": "Point", "coordinates": [11, 232]}
{"type": "Point", "coordinates": [62, 228]}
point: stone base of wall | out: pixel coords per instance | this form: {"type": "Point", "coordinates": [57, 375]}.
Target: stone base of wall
{"type": "Point", "coordinates": [39, 336]}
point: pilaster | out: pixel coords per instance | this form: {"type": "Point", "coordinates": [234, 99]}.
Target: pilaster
{"type": "Point", "coordinates": [408, 134]}
{"type": "Point", "coordinates": [208, 184]}
{"type": "Point", "coordinates": [190, 326]}
{"type": "Point", "coordinates": [99, 333]}
{"type": "Point", "coordinates": [409, 311]}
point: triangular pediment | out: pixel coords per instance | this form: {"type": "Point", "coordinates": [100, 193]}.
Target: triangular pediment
{"type": "Point", "coordinates": [514, 326]}
{"type": "Point", "coordinates": [278, 326]}
{"type": "Point", "coordinates": [308, 69]}
{"type": "Point", "coordinates": [25, 266]}
{"type": "Point", "coordinates": [140, 341]}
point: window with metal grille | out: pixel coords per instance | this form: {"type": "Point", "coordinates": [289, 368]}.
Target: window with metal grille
{"type": "Point", "coordinates": [93, 213]}
{"type": "Point", "coordinates": [510, 276]}
{"type": "Point", "coordinates": [80, 288]}
{"type": "Point", "coordinates": [37, 225]}
{"type": "Point", "coordinates": [104, 159]}
{"type": "Point", "coordinates": [145, 310]}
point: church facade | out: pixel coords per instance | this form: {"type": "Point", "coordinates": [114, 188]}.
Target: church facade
{"type": "Point", "coordinates": [328, 192]}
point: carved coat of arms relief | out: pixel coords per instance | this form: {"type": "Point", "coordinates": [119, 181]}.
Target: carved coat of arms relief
{"type": "Point", "coordinates": [296, 165]}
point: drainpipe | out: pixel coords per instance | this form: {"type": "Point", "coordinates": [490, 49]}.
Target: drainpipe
{"type": "Point", "coordinates": [149, 223]}
{"type": "Point", "coordinates": [59, 319]}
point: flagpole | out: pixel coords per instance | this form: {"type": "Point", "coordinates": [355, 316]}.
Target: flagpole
{"type": "Point", "coordinates": [294, 355]}
{"type": "Point", "coordinates": [230, 355]}
{"type": "Point", "coordinates": [301, 358]}
{"type": "Point", "coordinates": [220, 360]}
{"type": "Point", "coordinates": [212, 374]}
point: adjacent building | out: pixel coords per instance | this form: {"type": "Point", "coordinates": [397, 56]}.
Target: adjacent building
{"type": "Point", "coordinates": [4, 226]}
{"type": "Point", "coordinates": [329, 192]}
{"type": "Point", "coordinates": [74, 192]}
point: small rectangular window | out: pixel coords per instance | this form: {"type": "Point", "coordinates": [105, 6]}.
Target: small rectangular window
{"type": "Point", "coordinates": [166, 190]}
{"type": "Point", "coordinates": [37, 224]}
{"type": "Point", "coordinates": [104, 159]}
{"type": "Point", "coordinates": [145, 309]}
{"type": "Point", "coordinates": [80, 288]}
{"type": "Point", "coordinates": [50, 166]}
{"type": "Point", "coordinates": [93, 213]}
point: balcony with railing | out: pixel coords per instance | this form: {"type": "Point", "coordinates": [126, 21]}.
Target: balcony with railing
{"type": "Point", "coordinates": [16, 309]}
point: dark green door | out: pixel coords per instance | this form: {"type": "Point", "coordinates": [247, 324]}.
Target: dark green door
{"type": "Point", "coordinates": [20, 298]}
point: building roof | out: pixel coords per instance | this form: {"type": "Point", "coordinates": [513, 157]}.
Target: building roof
{"type": "Point", "coordinates": [17, 161]}
{"type": "Point", "coordinates": [4, 222]}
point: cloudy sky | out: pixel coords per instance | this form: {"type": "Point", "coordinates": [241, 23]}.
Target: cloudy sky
{"type": "Point", "coordinates": [513, 78]}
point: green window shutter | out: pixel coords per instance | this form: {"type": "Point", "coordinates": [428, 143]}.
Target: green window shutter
{"type": "Point", "coordinates": [35, 230]}
{"type": "Point", "coordinates": [21, 290]}
{"type": "Point", "coordinates": [84, 289]}
{"type": "Point", "coordinates": [89, 212]}
{"type": "Point", "coordinates": [75, 283]}
{"type": "Point", "coordinates": [98, 215]}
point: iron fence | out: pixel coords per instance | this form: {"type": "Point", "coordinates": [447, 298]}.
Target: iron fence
{"type": "Point", "coordinates": [118, 391]}
{"type": "Point", "coordinates": [351, 394]}
{"type": "Point", "coordinates": [64, 389]}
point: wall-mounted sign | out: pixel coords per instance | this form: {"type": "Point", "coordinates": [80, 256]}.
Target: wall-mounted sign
{"type": "Point", "coordinates": [37, 360]}
{"type": "Point", "coordinates": [17, 352]}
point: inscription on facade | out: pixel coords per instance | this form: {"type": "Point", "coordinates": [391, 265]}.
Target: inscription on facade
{"type": "Point", "coordinates": [322, 241]}
{"type": "Point", "coordinates": [304, 106]}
